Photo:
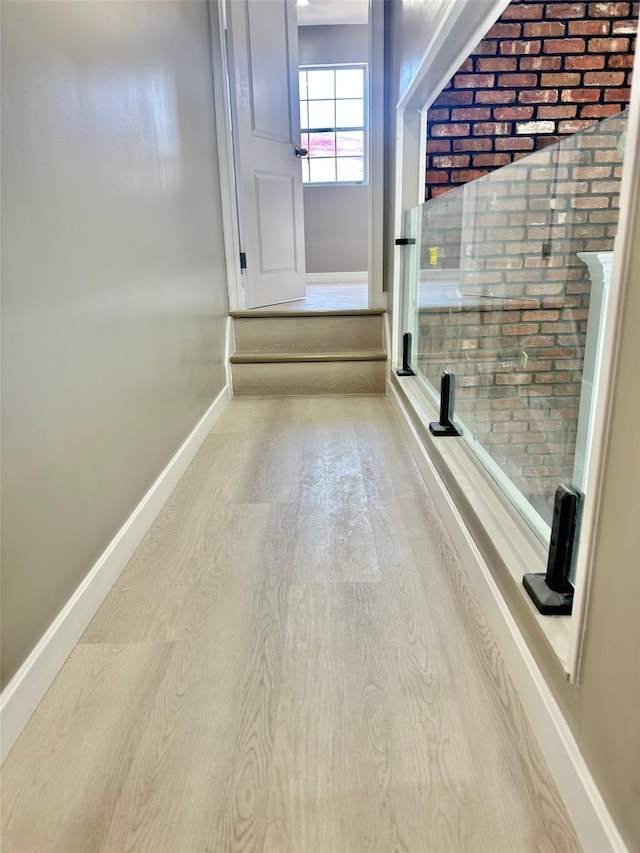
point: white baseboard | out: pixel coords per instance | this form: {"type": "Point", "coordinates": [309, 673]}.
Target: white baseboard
{"type": "Point", "coordinates": [592, 821]}
{"type": "Point", "coordinates": [337, 277]}
{"type": "Point", "coordinates": [229, 349]}
{"type": "Point", "coordinates": [24, 692]}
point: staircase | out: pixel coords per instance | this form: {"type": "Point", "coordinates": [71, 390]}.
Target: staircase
{"type": "Point", "coordinates": [328, 352]}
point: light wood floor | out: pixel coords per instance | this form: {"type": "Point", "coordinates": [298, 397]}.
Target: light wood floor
{"type": "Point", "coordinates": [292, 662]}
{"type": "Point", "coordinates": [336, 297]}
{"type": "Point", "coordinates": [341, 297]}
{"type": "Point", "coordinates": [324, 297]}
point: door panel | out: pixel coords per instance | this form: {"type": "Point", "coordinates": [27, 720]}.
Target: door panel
{"type": "Point", "coordinates": [268, 56]}
{"type": "Point", "coordinates": [275, 196]}
{"type": "Point", "coordinates": [264, 68]}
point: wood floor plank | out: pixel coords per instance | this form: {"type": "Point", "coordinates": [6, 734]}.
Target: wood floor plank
{"type": "Point", "coordinates": [273, 475]}
{"type": "Point", "coordinates": [324, 297]}
{"type": "Point", "coordinates": [61, 782]}
{"type": "Point", "coordinates": [544, 820]}
{"type": "Point", "coordinates": [238, 821]}
{"type": "Point", "coordinates": [250, 415]}
{"type": "Point", "coordinates": [197, 779]}
{"type": "Point", "coordinates": [476, 713]}
{"type": "Point", "coordinates": [334, 539]}
{"type": "Point", "coordinates": [320, 411]}
{"type": "Point", "coordinates": [314, 794]}
{"type": "Point", "coordinates": [294, 676]}
{"type": "Point", "coordinates": [387, 468]}
{"type": "Point", "coordinates": [192, 544]}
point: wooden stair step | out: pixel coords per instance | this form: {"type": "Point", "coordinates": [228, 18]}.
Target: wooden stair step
{"type": "Point", "coordinates": [275, 312]}
{"type": "Point", "coordinates": [309, 377]}
{"type": "Point", "coordinates": [260, 357]}
{"type": "Point", "coordinates": [308, 352]}
{"type": "Point", "coordinates": [313, 333]}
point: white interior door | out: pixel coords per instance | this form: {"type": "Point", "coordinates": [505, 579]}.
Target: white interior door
{"type": "Point", "coordinates": [263, 43]}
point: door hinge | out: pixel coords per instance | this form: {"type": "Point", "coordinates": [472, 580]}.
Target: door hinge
{"type": "Point", "coordinates": [243, 260]}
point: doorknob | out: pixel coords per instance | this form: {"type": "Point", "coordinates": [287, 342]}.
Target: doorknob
{"type": "Point", "coordinates": [301, 152]}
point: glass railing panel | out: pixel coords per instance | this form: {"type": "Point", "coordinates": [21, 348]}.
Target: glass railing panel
{"type": "Point", "coordinates": [506, 300]}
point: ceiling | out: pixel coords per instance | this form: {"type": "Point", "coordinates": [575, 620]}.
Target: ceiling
{"type": "Point", "coordinates": [333, 12]}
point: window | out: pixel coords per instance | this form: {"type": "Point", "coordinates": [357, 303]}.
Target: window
{"type": "Point", "coordinates": [333, 123]}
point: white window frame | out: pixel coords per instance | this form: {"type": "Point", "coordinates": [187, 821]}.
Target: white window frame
{"type": "Point", "coordinates": [337, 66]}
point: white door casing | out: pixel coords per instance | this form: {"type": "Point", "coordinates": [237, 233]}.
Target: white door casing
{"type": "Point", "coordinates": [263, 45]}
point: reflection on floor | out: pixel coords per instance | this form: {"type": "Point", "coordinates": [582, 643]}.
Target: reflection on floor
{"type": "Point", "coordinates": [325, 297]}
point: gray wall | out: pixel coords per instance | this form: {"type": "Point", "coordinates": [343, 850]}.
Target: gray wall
{"type": "Point", "coordinates": [114, 291]}
{"type": "Point", "coordinates": [606, 716]}
{"type": "Point", "coordinates": [603, 711]}
{"type": "Point", "coordinates": [335, 218]}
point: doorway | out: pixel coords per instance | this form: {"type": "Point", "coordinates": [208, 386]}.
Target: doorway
{"type": "Point", "coordinates": [334, 62]}
{"type": "Point", "coordinates": [342, 259]}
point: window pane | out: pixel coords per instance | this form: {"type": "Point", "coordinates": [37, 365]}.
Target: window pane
{"type": "Point", "coordinates": [330, 98]}
{"type": "Point", "coordinates": [304, 114]}
{"type": "Point", "coordinates": [349, 113]}
{"type": "Point", "coordinates": [350, 169]}
{"type": "Point", "coordinates": [322, 114]}
{"type": "Point", "coordinates": [321, 84]}
{"type": "Point", "coordinates": [350, 83]}
{"type": "Point", "coordinates": [322, 171]}
{"type": "Point", "coordinates": [350, 143]}
{"type": "Point", "coordinates": [322, 144]}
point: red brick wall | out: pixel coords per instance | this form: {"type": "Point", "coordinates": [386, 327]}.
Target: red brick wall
{"type": "Point", "coordinates": [543, 71]}
{"type": "Point", "coordinates": [511, 243]}
{"type": "Point", "coordinates": [522, 411]}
